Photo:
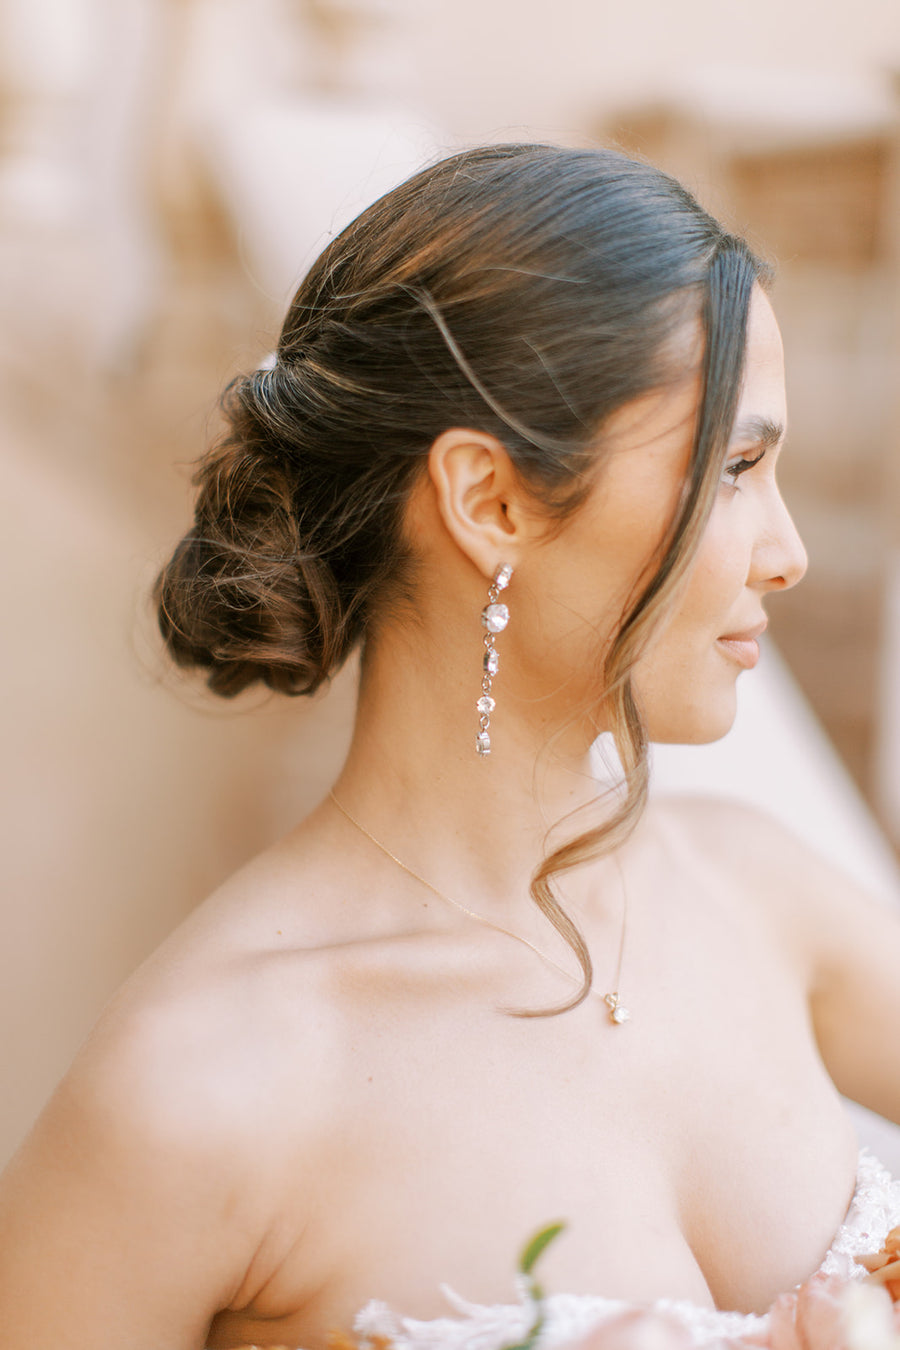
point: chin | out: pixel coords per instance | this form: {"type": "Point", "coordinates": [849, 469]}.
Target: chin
{"type": "Point", "coordinates": [696, 725]}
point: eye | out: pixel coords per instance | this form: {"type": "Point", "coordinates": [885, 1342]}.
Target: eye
{"type": "Point", "coordinates": [734, 470]}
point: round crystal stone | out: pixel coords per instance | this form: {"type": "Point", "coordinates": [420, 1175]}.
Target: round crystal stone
{"type": "Point", "coordinates": [620, 1014]}
{"type": "Point", "coordinates": [503, 576]}
{"type": "Point", "coordinates": [486, 704]}
{"type": "Point", "coordinates": [483, 743]}
{"type": "Point", "coordinates": [495, 618]}
{"type": "Point", "coordinates": [491, 662]}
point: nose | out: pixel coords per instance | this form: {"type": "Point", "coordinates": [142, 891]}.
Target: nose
{"type": "Point", "coordinates": [780, 559]}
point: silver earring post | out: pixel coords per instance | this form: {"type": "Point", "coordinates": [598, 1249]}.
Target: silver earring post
{"type": "Point", "coordinates": [494, 618]}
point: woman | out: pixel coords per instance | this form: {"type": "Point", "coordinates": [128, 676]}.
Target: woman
{"type": "Point", "coordinates": [519, 443]}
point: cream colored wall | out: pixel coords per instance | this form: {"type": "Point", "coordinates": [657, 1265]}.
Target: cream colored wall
{"type": "Point", "coordinates": [482, 67]}
{"type": "Point", "coordinates": [489, 69]}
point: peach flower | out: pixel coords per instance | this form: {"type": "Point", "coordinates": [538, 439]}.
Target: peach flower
{"type": "Point", "coordinates": [884, 1266]}
{"type": "Point", "coordinates": [636, 1330]}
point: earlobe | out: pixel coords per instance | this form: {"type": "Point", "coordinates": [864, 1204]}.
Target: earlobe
{"type": "Point", "coordinates": [476, 491]}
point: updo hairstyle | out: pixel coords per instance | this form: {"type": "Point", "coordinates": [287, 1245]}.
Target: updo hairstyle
{"type": "Point", "coordinates": [526, 291]}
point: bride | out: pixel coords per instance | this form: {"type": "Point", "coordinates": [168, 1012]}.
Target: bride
{"type": "Point", "coordinates": [519, 444]}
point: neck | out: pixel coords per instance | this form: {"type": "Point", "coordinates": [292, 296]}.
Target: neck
{"type": "Point", "coordinates": [475, 826]}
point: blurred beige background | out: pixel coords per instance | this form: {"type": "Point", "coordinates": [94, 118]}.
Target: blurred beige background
{"type": "Point", "coordinates": [167, 167]}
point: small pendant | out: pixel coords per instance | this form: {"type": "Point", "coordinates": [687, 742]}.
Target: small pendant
{"type": "Point", "coordinates": [618, 1014]}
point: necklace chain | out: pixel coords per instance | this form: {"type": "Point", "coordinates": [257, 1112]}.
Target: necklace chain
{"type": "Point", "coordinates": [618, 1013]}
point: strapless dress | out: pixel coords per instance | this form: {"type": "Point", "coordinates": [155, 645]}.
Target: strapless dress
{"type": "Point", "coordinates": [873, 1212]}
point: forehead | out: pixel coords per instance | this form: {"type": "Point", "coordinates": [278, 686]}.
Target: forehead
{"type": "Point", "coordinates": [663, 421]}
{"type": "Point", "coordinates": [762, 396]}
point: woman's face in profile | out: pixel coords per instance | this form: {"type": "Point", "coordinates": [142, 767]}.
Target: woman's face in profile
{"type": "Point", "coordinates": [595, 568]}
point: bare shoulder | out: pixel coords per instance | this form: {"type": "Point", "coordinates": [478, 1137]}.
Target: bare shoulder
{"type": "Point", "coordinates": [191, 1079]}
{"type": "Point", "coordinates": [240, 1004]}
{"type": "Point", "coordinates": [753, 860]}
{"type": "Point", "coordinates": [746, 840]}
{"type": "Point", "coordinates": [810, 903]}
{"type": "Point", "coordinates": [155, 1179]}
{"type": "Point", "coordinates": [733, 833]}
{"type": "Point", "coordinates": [234, 1030]}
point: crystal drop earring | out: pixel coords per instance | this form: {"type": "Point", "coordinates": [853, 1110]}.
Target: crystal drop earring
{"type": "Point", "coordinates": [494, 618]}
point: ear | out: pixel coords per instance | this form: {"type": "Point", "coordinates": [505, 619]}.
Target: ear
{"type": "Point", "coordinates": [480, 497]}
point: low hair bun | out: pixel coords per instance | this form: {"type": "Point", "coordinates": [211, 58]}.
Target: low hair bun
{"type": "Point", "coordinates": [245, 596]}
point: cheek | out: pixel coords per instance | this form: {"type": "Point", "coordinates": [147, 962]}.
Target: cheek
{"type": "Point", "coordinates": [676, 661]}
{"type": "Point", "coordinates": [717, 578]}
{"type": "Point", "coordinates": [687, 692]}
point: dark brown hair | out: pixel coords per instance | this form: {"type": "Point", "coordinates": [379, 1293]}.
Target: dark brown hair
{"type": "Point", "coordinates": [524, 290]}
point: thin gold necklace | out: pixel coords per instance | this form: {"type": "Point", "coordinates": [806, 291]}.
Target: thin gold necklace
{"type": "Point", "coordinates": [618, 1013]}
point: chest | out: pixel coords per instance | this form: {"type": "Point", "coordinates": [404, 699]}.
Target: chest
{"type": "Point", "coordinates": [698, 1152]}
{"type": "Point", "coordinates": [705, 1131]}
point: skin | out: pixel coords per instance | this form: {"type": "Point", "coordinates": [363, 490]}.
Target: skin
{"type": "Point", "coordinates": [309, 1096]}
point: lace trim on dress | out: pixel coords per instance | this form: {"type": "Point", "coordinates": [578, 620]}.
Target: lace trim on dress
{"type": "Point", "coordinates": [874, 1211]}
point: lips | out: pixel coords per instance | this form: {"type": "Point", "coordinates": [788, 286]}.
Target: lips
{"type": "Point", "coordinates": [747, 634]}
{"type": "Point", "coordinates": [743, 647]}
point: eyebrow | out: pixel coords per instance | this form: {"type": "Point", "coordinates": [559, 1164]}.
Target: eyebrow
{"type": "Point", "coordinates": [760, 431]}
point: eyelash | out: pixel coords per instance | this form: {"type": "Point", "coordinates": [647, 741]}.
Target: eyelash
{"type": "Point", "coordinates": [734, 471]}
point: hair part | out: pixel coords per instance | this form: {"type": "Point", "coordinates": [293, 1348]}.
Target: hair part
{"type": "Point", "coordinates": [528, 291]}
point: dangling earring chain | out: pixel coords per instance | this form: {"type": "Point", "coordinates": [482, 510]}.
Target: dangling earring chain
{"type": "Point", "coordinates": [494, 617]}
{"type": "Point", "coordinates": [618, 1013]}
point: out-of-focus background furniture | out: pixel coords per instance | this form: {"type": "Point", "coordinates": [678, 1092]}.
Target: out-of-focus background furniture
{"type": "Point", "coordinates": [167, 169]}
